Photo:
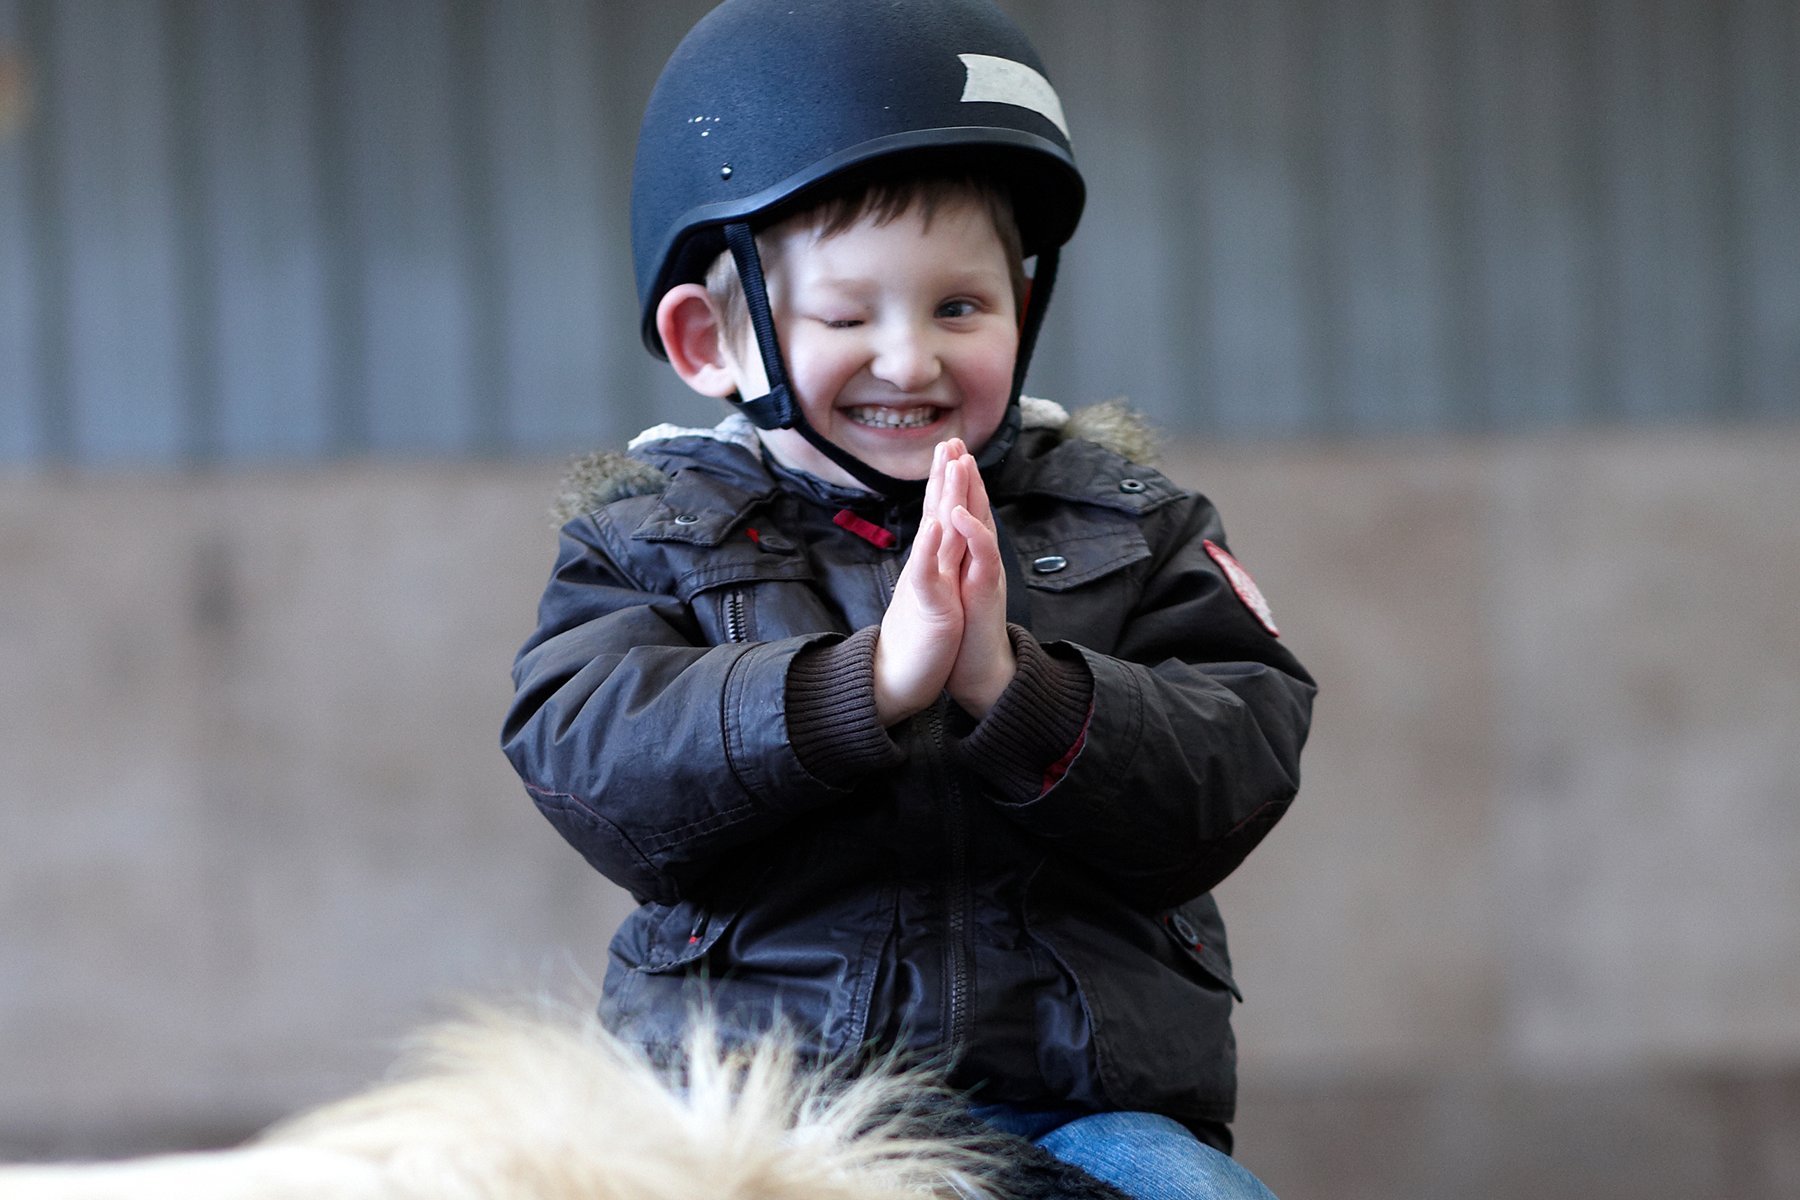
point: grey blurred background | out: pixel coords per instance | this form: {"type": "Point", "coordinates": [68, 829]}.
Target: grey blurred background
{"type": "Point", "coordinates": [1480, 320]}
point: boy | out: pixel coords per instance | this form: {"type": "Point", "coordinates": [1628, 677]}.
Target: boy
{"type": "Point", "coordinates": [913, 719]}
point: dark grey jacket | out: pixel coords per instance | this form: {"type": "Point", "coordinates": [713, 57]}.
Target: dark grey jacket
{"type": "Point", "coordinates": [696, 717]}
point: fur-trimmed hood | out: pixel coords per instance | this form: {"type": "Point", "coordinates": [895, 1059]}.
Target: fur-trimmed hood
{"type": "Point", "coordinates": [605, 476]}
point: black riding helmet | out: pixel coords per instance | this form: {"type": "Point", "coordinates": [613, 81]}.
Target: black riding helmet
{"type": "Point", "coordinates": [767, 101]}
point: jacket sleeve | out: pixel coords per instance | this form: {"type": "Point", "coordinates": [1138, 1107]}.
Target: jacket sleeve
{"type": "Point", "coordinates": [1190, 750]}
{"type": "Point", "coordinates": [651, 751]}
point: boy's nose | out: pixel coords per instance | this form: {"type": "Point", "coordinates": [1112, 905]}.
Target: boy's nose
{"type": "Point", "coordinates": [907, 359]}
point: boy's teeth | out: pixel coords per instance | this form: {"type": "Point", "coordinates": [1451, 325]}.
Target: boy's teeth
{"type": "Point", "coordinates": [893, 418]}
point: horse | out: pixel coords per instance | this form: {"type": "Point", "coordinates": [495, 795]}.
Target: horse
{"type": "Point", "coordinates": [509, 1104]}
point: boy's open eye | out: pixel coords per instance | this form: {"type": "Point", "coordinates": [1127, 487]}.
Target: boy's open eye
{"type": "Point", "coordinates": [951, 309]}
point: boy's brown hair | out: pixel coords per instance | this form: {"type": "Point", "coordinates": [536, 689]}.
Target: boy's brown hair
{"type": "Point", "coordinates": [882, 199]}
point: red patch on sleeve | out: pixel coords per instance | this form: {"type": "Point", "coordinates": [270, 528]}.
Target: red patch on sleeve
{"type": "Point", "coordinates": [1243, 585]}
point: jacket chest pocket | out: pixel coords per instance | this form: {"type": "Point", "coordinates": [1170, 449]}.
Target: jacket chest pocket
{"type": "Point", "coordinates": [755, 599]}
{"type": "Point", "coordinates": [1079, 579]}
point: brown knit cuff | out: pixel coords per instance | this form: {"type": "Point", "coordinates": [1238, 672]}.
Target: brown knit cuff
{"type": "Point", "coordinates": [831, 710]}
{"type": "Point", "coordinates": [1035, 724]}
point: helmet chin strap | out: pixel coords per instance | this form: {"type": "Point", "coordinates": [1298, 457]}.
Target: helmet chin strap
{"type": "Point", "coordinates": [1037, 302]}
{"type": "Point", "coordinates": [779, 409]}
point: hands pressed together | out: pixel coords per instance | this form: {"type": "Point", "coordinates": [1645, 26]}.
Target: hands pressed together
{"type": "Point", "coordinates": [945, 629]}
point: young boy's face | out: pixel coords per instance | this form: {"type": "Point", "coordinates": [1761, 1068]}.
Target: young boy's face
{"type": "Point", "coordinates": [896, 336]}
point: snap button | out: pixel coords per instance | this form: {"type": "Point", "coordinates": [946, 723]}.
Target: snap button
{"type": "Point", "coordinates": [1131, 485]}
{"type": "Point", "coordinates": [1184, 929]}
{"type": "Point", "coordinates": [774, 543]}
{"type": "Point", "coordinates": [1049, 564]}
{"type": "Point", "coordinates": [687, 519]}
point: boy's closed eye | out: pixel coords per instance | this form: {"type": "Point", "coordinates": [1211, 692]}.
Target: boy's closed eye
{"type": "Point", "coordinates": [836, 316]}
{"type": "Point", "coordinates": [949, 310]}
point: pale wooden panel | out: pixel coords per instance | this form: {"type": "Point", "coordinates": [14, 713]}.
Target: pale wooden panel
{"type": "Point", "coordinates": [106, 84]}
{"type": "Point", "coordinates": [1698, 216]}
{"type": "Point", "coordinates": [1669, 212]}
{"type": "Point", "coordinates": [554, 251]}
{"type": "Point", "coordinates": [1414, 83]}
{"type": "Point", "coordinates": [1539, 321]}
{"type": "Point", "coordinates": [408, 204]}
{"type": "Point", "coordinates": [1353, 318]}
{"type": "Point", "coordinates": [327, 35]}
{"type": "Point", "coordinates": [21, 433]}
{"type": "Point", "coordinates": [1125, 320]}
{"type": "Point", "coordinates": [635, 389]}
{"type": "Point", "coordinates": [1258, 194]}
{"type": "Point", "coordinates": [193, 288]}
{"type": "Point", "coordinates": [1635, 279]}
{"type": "Point", "coordinates": [323, 227]}
{"type": "Point", "coordinates": [1764, 117]}
{"type": "Point", "coordinates": [261, 201]}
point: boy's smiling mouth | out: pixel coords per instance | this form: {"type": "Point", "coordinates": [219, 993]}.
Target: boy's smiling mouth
{"type": "Point", "coordinates": [875, 416]}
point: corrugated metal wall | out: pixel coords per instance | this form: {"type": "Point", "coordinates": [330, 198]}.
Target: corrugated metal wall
{"type": "Point", "coordinates": [295, 229]}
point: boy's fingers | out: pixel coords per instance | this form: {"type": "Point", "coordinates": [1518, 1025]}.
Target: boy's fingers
{"type": "Point", "coordinates": [956, 485]}
{"type": "Point", "coordinates": [977, 500]}
{"type": "Point", "coordinates": [923, 576]}
{"type": "Point", "coordinates": [934, 482]}
{"type": "Point", "coordinates": [937, 583]}
{"type": "Point", "coordinates": [952, 549]}
{"type": "Point", "coordinates": [973, 492]}
{"type": "Point", "coordinates": [936, 558]}
{"type": "Point", "coordinates": [929, 544]}
{"type": "Point", "coordinates": [984, 663]}
{"type": "Point", "coordinates": [916, 648]}
{"type": "Point", "coordinates": [978, 533]}
{"type": "Point", "coordinates": [981, 565]}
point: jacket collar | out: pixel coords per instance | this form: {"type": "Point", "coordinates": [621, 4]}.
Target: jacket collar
{"type": "Point", "coordinates": [1081, 472]}
{"type": "Point", "coordinates": [718, 474]}
{"type": "Point", "coordinates": [715, 476]}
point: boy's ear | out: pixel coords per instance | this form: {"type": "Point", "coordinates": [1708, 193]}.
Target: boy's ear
{"type": "Point", "coordinates": [694, 338]}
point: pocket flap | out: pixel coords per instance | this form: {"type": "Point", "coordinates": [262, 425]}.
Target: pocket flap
{"type": "Point", "coordinates": [719, 569]}
{"type": "Point", "coordinates": [1056, 564]}
{"type": "Point", "coordinates": [684, 935]}
{"type": "Point", "coordinates": [1189, 935]}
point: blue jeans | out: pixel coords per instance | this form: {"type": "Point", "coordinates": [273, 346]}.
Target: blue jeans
{"type": "Point", "coordinates": [1146, 1156]}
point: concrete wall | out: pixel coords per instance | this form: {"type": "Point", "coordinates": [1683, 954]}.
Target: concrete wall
{"type": "Point", "coordinates": [254, 816]}
{"type": "Point", "coordinates": [1532, 929]}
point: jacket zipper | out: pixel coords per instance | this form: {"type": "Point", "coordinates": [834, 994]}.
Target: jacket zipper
{"type": "Point", "coordinates": [736, 629]}
{"type": "Point", "coordinates": [957, 951]}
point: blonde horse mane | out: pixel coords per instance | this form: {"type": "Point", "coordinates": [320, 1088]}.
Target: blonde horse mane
{"type": "Point", "coordinates": [509, 1105]}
